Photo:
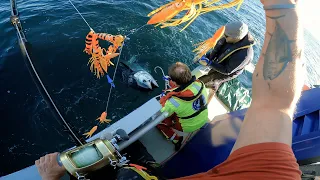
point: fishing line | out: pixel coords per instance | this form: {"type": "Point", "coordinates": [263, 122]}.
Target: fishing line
{"type": "Point", "coordinates": [23, 46]}
{"type": "Point", "coordinates": [80, 15]}
{"type": "Point", "coordinates": [17, 24]}
{"type": "Point", "coordinates": [115, 71]}
{"type": "Point", "coordinates": [44, 88]}
{"type": "Point", "coordinates": [114, 76]}
{"type": "Point", "coordinates": [116, 68]}
{"type": "Point", "coordinates": [134, 31]}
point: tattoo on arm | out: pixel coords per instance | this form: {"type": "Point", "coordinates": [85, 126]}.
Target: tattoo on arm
{"type": "Point", "coordinates": [278, 53]}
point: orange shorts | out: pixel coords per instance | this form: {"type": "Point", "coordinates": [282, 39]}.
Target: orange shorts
{"type": "Point", "coordinates": [263, 161]}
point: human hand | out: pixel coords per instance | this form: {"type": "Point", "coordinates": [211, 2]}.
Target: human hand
{"type": "Point", "coordinates": [204, 61]}
{"type": "Point", "coordinates": [49, 168]}
{"type": "Point", "coordinates": [172, 84]}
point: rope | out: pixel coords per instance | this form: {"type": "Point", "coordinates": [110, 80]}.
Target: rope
{"type": "Point", "coordinates": [158, 67]}
{"type": "Point", "coordinates": [165, 78]}
{"type": "Point", "coordinates": [44, 88]}
{"type": "Point", "coordinates": [81, 15]}
{"type": "Point", "coordinates": [114, 75]}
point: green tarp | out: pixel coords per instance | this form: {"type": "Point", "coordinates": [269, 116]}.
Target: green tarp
{"type": "Point", "coordinates": [234, 95]}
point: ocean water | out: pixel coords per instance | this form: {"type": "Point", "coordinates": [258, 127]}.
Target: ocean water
{"type": "Point", "coordinates": [57, 33]}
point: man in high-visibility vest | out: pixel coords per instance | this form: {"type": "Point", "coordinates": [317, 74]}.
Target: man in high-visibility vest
{"type": "Point", "coordinates": [186, 104]}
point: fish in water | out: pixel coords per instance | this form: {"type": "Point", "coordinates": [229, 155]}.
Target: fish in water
{"type": "Point", "coordinates": [137, 77]}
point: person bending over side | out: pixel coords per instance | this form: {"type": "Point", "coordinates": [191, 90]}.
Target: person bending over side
{"type": "Point", "coordinates": [186, 104]}
{"type": "Point", "coordinates": [229, 57]}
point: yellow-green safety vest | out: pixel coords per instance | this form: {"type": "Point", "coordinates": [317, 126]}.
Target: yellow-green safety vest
{"type": "Point", "coordinates": [192, 112]}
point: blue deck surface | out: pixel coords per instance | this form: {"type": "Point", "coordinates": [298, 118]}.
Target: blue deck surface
{"type": "Point", "coordinates": [213, 143]}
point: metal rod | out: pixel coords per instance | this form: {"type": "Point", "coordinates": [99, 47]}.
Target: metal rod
{"type": "Point", "coordinates": [137, 134]}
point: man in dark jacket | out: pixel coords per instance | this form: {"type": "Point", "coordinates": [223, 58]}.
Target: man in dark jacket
{"type": "Point", "coordinates": [230, 56]}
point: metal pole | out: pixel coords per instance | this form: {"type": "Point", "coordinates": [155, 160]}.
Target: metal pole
{"type": "Point", "coordinates": [138, 133]}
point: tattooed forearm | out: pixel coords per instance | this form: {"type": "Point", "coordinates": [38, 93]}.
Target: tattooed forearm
{"type": "Point", "coordinates": [278, 53]}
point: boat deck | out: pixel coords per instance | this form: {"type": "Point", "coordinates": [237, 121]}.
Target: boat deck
{"type": "Point", "coordinates": [162, 149]}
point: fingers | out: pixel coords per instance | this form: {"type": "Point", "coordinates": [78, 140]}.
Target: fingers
{"type": "Point", "coordinates": [53, 156]}
{"type": "Point", "coordinates": [42, 159]}
{"type": "Point", "coordinates": [37, 162]}
{"type": "Point", "coordinates": [48, 158]}
{"type": "Point", "coordinates": [49, 168]}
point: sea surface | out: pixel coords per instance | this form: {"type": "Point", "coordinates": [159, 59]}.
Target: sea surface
{"type": "Point", "coordinates": [57, 36]}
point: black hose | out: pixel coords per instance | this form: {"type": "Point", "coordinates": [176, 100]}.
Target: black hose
{"type": "Point", "coordinates": [24, 46]}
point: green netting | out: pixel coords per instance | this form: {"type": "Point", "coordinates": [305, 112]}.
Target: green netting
{"type": "Point", "coordinates": [234, 95]}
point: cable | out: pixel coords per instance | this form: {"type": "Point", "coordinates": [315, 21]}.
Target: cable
{"type": "Point", "coordinates": [80, 15]}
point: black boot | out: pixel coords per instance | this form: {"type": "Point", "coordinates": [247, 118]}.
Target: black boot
{"type": "Point", "coordinates": [177, 145]}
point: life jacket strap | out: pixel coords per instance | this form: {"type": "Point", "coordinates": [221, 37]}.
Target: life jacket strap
{"type": "Point", "coordinates": [192, 97]}
{"type": "Point", "coordinates": [196, 113]}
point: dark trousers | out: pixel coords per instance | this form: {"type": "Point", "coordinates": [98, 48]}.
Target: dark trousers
{"type": "Point", "coordinates": [214, 79]}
